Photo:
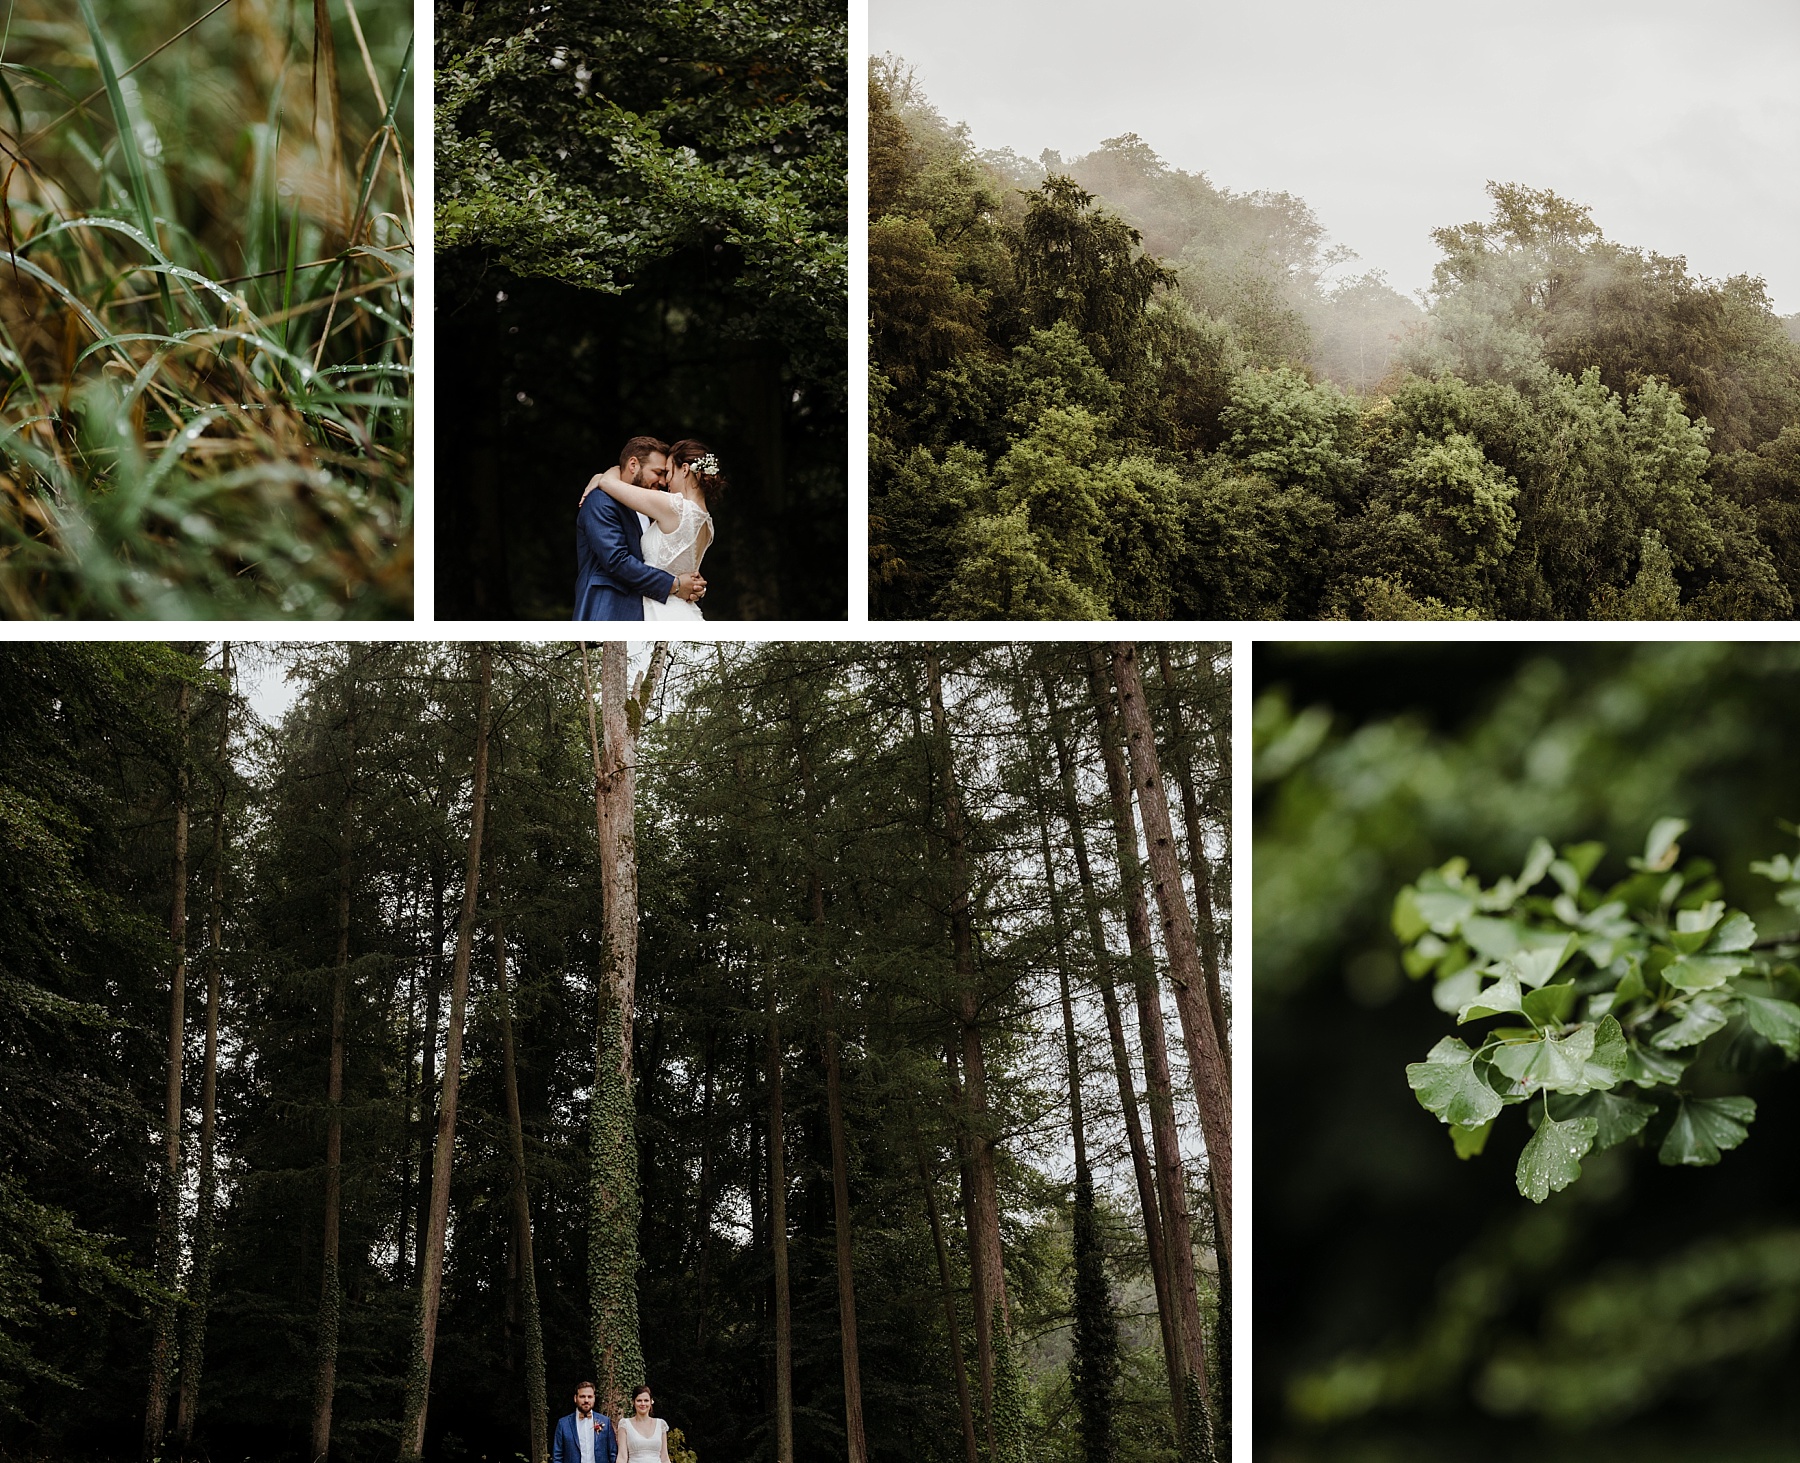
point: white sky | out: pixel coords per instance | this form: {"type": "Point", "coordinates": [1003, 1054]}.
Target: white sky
{"type": "Point", "coordinates": [1679, 125]}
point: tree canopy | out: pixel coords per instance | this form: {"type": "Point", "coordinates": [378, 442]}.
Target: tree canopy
{"type": "Point", "coordinates": [1570, 428]}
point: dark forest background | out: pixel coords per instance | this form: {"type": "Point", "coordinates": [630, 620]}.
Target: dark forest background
{"type": "Point", "coordinates": [641, 229]}
{"type": "Point", "coordinates": [1103, 387]}
{"type": "Point", "coordinates": [1414, 1307]}
{"type": "Point", "coordinates": [860, 855]}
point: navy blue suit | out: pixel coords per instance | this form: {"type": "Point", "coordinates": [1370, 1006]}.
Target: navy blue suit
{"type": "Point", "coordinates": [566, 1446]}
{"type": "Point", "coordinates": [611, 577]}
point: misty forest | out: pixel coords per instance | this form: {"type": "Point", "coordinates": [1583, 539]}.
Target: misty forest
{"type": "Point", "coordinates": [835, 1036]}
{"type": "Point", "coordinates": [1103, 387]}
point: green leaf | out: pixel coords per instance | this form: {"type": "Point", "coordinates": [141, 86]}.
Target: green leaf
{"type": "Point", "coordinates": [1705, 1126]}
{"type": "Point", "coordinates": [1537, 863]}
{"type": "Point", "coordinates": [1408, 923]}
{"type": "Point", "coordinates": [1449, 1083]}
{"type": "Point", "coordinates": [1551, 1005]}
{"type": "Point", "coordinates": [1535, 966]}
{"type": "Point", "coordinates": [1699, 1019]}
{"type": "Point", "coordinates": [1583, 858]}
{"type": "Point", "coordinates": [1552, 1159]}
{"type": "Point", "coordinates": [1701, 972]}
{"type": "Point", "coordinates": [1773, 1019]}
{"type": "Point", "coordinates": [1738, 932]}
{"type": "Point", "coordinates": [1469, 1142]}
{"type": "Point", "coordinates": [1606, 1068]}
{"type": "Point", "coordinates": [1617, 1117]}
{"type": "Point", "coordinates": [1556, 1063]}
{"type": "Point", "coordinates": [1502, 996]}
{"type": "Point", "coordinates": [1454, 992]}
{"type": "Point", "coordinates": [1660, 848]}
{"type": "Point", "coordinates": [1651, 1068]}
{"type": "Point", "coordinates": [1444, 910]}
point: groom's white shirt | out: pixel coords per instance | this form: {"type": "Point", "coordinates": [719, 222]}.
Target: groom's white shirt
{"type": "Point", "coordinates": [643, 523]}
{"type": "Point", "coordinates": [584, 1431]}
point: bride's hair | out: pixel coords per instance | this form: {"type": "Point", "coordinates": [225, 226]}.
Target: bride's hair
{"type": "Point", "coordinates": [638, 1390]}
{"type": "Point", "coordinates": [694, 455]}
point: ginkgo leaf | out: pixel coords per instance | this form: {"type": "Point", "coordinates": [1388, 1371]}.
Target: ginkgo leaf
{"type": "Point", "coordinates": [1774, 1019]}
{"type": "Point", "coordinates": [1698, 1020]}
{"type": "Point", "coordinates": [1502, 996]}
{"type": "Point", "coordinates": [1556, 1063]}
{"type": "Point", "coordinates": [1552, 1159]}
{"type": "Point", "coordinates": [1450, 1083]}
{"type": "Point", "coordinates": [1617, 1117]}
{"type": "Point", "coordinates": [1704, 1126]}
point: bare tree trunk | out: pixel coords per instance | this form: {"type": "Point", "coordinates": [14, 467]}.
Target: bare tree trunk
{"type": "Point", "coordinates": [1158, 1088]}
{"type": "Point", "coordinates": [168, 1209]}
{"type": "Point", "coordinates": [703, 1209]}
{"type": "Point", "coordinates": [964, 1403]}
{"type": "Point", "coordinates": [536, 1403]}
{"type": "Point", "coordinates": [1206, 926]}
{"type": "Point", "coordinates": [428, 1073]}
{"type": "Point", "coordinates": [784, 1319]}
{"type": "Point", "coordinates": [615, 1202]}
{"type": "Point", "coordinates": [193, 1347]}
{"type": "Point", "coordinates": [854, 1435]}
{"type": "Point", "coordinates": [980, 1308]}
{"type": "Point", "coordinates": [330, 1291]}
{"type": "Point", "coordinates": [1141, 1168]}
{"type": "Point", "coordinates": [431, 1269]}
{"type": "Point", "coordinates": [840, 1191]}
{"type": "Point", "coordinates": [987, 1262]}
{"type": "Point", "coordinates": [1212, 1078]}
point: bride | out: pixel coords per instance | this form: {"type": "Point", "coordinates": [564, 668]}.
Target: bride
{"type": "Point", "coordinates": [645, 1438]}
{"type": "Point", "coordinates": [681, 528]}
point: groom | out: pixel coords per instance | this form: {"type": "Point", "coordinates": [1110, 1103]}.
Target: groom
{"type": "Point", "coordinates": [611, 577]}
{"type": "Point", "coordinates": [585, 1436]}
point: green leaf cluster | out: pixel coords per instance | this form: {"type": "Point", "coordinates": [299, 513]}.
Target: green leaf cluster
{"type": "Point", "coordinates": [1612, 993]}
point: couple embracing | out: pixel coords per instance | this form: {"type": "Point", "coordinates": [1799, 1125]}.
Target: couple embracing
{"type": "Point", "coordinates": [587, 1436]}
{"type": "Point", "coordinates": [641, 530]}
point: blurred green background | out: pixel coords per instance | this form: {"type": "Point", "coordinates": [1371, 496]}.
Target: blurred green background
{"type": "Point", "coordinates": [1413, 1307]}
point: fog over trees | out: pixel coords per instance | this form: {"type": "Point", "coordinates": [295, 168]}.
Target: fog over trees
{"type": "Point", "coordinates": [1104, 387]}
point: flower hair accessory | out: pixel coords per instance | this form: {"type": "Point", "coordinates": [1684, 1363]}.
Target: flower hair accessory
{"type": "Point", "coordinates": [706, 467]}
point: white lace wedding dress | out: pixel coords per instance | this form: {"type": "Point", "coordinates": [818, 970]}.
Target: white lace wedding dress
{"type": "Point", "coordinates": [679, 552]}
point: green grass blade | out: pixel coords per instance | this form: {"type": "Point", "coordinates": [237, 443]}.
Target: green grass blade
{"type": "Point", "coordinates": [128, 142]}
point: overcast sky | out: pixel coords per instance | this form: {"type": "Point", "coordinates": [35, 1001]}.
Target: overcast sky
{"type": "Point", "coordinates": [1679, 125]}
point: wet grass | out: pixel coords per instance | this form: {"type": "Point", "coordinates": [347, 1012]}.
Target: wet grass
{"type": "Point", "coordinates": [205, 309]}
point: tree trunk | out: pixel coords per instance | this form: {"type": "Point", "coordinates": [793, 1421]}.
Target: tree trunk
{"type": "Point", "coordinates": [193, 1346]}
{"type": "Point", "coordinates": [840, 1194]}
{"type": "Point", "coordinates": [1212, 1079]}
{"type": "Point", "coordinates": [987, 1265]}
{"type": "Point", "coordinates": [431, 1268]}
{"type": "Point", "coordinates": [784, 1319]}
{"type": "Point", "coordinates": [614, 1196]}
{"type": "Point", "coordinates": [537, 1405]}
{"type": "Point", "coordinates": [1142, 1171]}
{"type": "Point", "coordinates": [855, 1438]}
{"type": "Point", "coordinates": [428, 1075]}
{"type": "Point", "coordinates": [964, 1403]}
{"type": "Point", "coordinates": [1193, 812]}
{"type": "Point", "coordinates": [1158, 1088]}
{"type": "Point", "coordinates": [1206, 925]}
{"type": "Point", "coordinates": [330, 1291]}
{"type": "Point", "coordinates": [1094, 1362]}
{"type": "Point", "coordinates": [168, 1209]}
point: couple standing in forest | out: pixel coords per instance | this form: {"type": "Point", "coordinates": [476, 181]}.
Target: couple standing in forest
{"type": "Point", "coordinates": [640, 538]}
{"type": "Point", "coordinates": [587, 1436]}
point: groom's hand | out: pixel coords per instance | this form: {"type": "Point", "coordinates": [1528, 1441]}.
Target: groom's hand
{"type": "Point", "coordinates": [689, 587]}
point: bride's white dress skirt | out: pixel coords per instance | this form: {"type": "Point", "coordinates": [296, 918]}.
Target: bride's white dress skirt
{"type": "Point", "coordinates": [679, 552]}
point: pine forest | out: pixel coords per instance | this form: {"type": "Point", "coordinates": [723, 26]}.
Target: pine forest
{"type": "Point", "coordinates": [835, 1036]}
{"type": "Point", "coordinates": [1104, 388]}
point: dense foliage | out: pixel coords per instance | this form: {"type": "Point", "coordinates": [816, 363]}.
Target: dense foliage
{"type": "Point", "coordinates": [641, 227]}
{"type": "Point", "coordinates": [1106, 388]}
{"type": "Point", "coordinates": [790, 838]}
{"type": "Point", "coordinates": [1414, 1306]}
{"type": "Point", "coordinates": [206, 314]}
{"type": "Point", "coordinates": [1618, 988]}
